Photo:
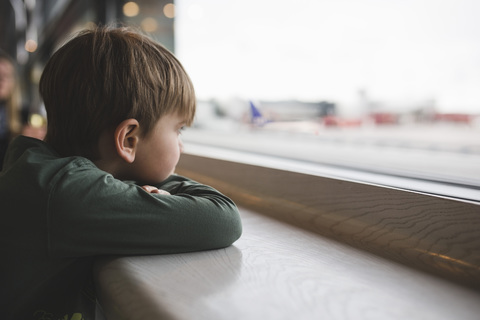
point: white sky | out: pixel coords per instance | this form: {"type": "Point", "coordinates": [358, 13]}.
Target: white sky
{"type": "Point", "coordinates": [399, 51]}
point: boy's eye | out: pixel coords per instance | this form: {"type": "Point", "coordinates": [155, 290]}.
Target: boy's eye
{"type": "Point", "coordinates": [181, 129]}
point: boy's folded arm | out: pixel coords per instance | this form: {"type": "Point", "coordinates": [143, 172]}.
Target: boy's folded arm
{"type": "Point", "coordinates": [178, 184]}
{"type": "Point", "coordinates": [112, 217]}
{"type": "Point", "coordinates": [182, 186]}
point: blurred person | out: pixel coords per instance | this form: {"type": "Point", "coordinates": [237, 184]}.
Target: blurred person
{"type": "Point", "coordinates": [10, 105]}
{"type": "Point", "coordinates": [102, 182]}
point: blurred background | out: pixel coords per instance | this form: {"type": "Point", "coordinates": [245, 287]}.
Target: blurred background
{"type": "Point", "coordinates": [31, 30]}
{"type": "Point", "coordinates": [381, 86]}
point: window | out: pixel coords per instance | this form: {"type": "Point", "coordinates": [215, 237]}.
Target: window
{"type": "Point", "coordinates": [355, 88]}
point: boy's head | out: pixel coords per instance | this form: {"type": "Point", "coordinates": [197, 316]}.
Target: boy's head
{"type": "Point", "coordinates": [107, 75]}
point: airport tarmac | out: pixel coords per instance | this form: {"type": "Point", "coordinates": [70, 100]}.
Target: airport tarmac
{"type": "Point", "coordinates": [440, 153]}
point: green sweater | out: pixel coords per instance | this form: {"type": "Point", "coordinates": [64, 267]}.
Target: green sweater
{"type": "Point", "coordinates": [59, 213]}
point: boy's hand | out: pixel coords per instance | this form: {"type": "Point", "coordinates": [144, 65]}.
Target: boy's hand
{"type": "Point", "coordinates": [151, 189]}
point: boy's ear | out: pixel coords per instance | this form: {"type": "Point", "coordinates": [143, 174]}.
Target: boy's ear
{"type": "Point", "coordinates": [127, 135]}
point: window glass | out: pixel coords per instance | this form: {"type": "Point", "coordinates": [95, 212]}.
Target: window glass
{"type": "Point", "coordinates": [386, 86]}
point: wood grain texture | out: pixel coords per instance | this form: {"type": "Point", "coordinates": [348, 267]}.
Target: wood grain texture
{"type": "Point", "coordinates": [437, 235]}
{"type": "Point", "coordinates": [277, 271]}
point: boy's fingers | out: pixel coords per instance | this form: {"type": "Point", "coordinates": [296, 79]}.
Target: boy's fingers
{"type": "Point", "coordinates": [151, 189]}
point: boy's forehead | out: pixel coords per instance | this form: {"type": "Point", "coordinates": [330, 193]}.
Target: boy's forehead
{"type": "Point", "coordinates": [176, 117]}
{"type": "Point", "coordinates": [180, 117]}
{"type": "Point", "coordinates": [184, 115]}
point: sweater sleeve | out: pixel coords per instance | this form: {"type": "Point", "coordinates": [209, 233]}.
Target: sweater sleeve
{"type": "Point", "coordinates": [91, 213]}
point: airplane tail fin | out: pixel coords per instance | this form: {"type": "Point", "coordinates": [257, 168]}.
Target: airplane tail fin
{"type": "Point", "coordinates": [257, 118]}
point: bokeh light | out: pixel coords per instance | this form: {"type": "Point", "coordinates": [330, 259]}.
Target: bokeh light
{"type": "Point", "coordinates": [31, 45]}
{"type": "Point", "coordinates": [131, 9]}
{"type": "Point", "coordinates": [149, 24]}
{"type": "Point", "coordinates": [169, 10]}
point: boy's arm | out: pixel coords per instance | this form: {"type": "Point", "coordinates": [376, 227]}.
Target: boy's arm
{"type": "Point", "coordinates": [101, 215]}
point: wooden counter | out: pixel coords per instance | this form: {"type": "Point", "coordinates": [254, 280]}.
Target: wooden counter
{"type": "Point", "coordinates": [277, 271]}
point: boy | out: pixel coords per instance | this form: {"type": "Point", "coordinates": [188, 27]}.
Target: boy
{"type": "Point", "coordinates": [116, 102]}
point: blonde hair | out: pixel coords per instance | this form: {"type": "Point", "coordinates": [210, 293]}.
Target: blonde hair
{"type": "Point", "coordinates": [13, 101]}
{"type": "Point", "coordinates": [104, 76]}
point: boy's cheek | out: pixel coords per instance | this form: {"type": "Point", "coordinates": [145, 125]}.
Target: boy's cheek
{"type": "Point", "coordinates": [180, 145]}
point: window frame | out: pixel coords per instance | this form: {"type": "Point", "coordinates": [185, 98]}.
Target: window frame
{"type": "Point", "coordinates": [426, 231]}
